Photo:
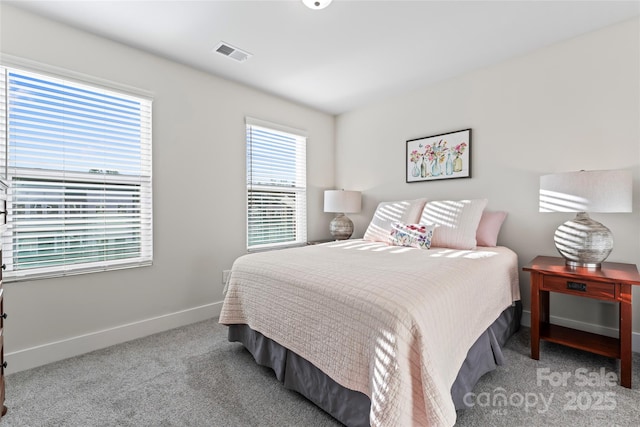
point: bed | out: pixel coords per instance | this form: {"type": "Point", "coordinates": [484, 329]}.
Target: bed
{"type": "Point", "coordinates": [381, 331]}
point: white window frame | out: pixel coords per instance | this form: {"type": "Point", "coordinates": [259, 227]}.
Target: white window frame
{"type": "Point", "coordinates": [299, 189]}
{"type": "Point", "coordinates": [66, 179]}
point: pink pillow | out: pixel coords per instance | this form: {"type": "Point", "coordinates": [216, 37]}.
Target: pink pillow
{"type": "Point", "coordinates": [489, 228]}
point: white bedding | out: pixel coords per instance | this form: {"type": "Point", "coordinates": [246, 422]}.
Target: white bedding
{"type": "Point", "coordinates": [393, 323]}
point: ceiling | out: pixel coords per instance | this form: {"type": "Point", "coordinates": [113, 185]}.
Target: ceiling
{"type": "Point", "coordinates": [352, 53]}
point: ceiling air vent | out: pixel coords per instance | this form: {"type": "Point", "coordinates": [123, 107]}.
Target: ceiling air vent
{"type": "Point", "coordinates": [232, 52]}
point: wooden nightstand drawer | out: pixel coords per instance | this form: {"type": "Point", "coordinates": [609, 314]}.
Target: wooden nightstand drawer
{"type": "Point", "coordinates": [585, 288]}
{"type": "Point", "coordinates": [2, 315]}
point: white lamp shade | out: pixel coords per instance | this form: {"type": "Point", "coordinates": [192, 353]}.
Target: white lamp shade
{"type": "Point", "coordinates": [586, 191]}
{"type": "Point", "coordinates": [341, 201]}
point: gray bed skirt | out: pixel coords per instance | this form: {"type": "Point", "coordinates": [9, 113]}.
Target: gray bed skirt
{"type": "Point", "coordinates": [352, 407]}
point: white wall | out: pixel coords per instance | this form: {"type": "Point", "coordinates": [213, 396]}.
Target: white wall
{"type": "Point", "coordinates": [567, 107]}
{"type": "Point", "coordinates": [575, 105]}
{"type": "Point", "coordinates": [199, 198]}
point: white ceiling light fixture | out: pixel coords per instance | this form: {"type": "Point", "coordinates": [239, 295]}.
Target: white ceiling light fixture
{"type": "Point", "coordinates": [316, 4]}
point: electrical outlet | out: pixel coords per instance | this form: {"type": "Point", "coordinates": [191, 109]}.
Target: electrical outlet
{"type": "Point", "coordinates": [225, 276]}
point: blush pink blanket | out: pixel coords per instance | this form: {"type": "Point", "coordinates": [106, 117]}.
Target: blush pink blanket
{"type": "Point", "coordinates": [391, 322]}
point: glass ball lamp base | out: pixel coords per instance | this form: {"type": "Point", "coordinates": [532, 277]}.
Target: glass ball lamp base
{"type": "Point", "coordinates": [583, 242]}
{"type": "Point", "coordinates": [341, 227]}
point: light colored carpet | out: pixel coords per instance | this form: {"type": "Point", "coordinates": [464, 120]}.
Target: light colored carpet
{"type": "Point", "coordinates": [588, 396]}
{"type": "Point", "coordinates": [192, 376]}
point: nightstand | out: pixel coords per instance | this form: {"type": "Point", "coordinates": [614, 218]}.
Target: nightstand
{"type": "Point", "coordinates": [318, 242]}
{"type": "Point", "coordinates": [611, 282]}
{"type": "Point", "coordinates": [3, 315]}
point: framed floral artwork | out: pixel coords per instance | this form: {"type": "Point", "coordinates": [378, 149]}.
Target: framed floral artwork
{"type": "Point", "coordinates": [443, 156]}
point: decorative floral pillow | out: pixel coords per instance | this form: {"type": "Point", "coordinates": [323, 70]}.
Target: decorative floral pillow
{"type": "Point", "coordinates": [411, 235]}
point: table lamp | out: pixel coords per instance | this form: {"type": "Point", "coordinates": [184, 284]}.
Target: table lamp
{"type": "Point", "coordinates": [582, 241]}
{"type": "Point", "coordinates": [341, 202]}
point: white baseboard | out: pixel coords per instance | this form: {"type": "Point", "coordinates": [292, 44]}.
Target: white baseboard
{"type": "Point", "coordinates": [589, 327]}
{"type": "Point", "coordinates": [51, 352]}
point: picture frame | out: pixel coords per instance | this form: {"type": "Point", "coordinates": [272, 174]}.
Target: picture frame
{"type": "Point", "coordinates": [438, 157]}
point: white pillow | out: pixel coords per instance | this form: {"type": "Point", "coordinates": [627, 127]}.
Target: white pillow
{"type": "Point", "coordinates": [387, 213]}
{"type": "Point", "coordinates": [456, 222]}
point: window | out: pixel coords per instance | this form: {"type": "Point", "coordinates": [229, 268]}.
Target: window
{"type": "Point", "coordinates": [78, 165]}
{"type": "Point", "coordinates": [276, 186]}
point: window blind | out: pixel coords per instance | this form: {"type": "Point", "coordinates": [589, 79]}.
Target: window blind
{"type": "Point", "coordinates": [79, 172]}
{"type": "Point", "coordinates": [276, 187]}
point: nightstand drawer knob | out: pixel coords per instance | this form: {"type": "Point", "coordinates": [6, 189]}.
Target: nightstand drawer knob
{"type": "Point", "coordinates": [4, 365]}
{"type": "Point", "coordinates": [4, 315]}
{"type": "Point", "coordinates": [577, 286]}
{"type": "Point", "coordinates": [4, 266]}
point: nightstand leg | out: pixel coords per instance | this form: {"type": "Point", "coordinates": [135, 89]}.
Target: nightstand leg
{"type": "Point", "coordinates": [535, 316]}
{"type": "Point", "coordinates": [625, 335]}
